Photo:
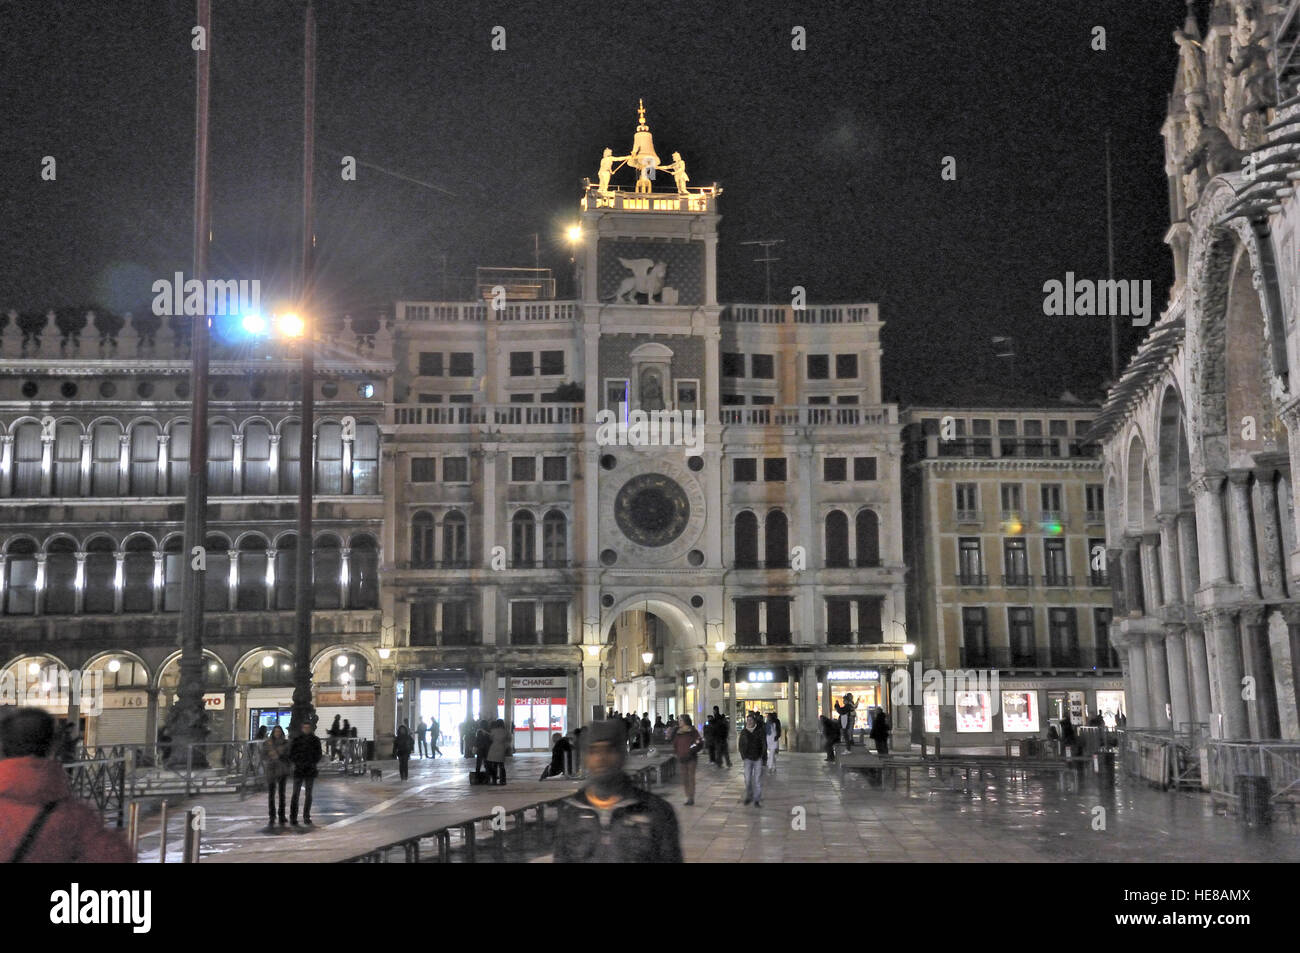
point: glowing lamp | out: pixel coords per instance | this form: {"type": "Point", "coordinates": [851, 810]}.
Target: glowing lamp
{"type": "Point", "coordinates": [291, 325]}
{"type": "Point", "coordinates": [253, 324]}
{"type": "Point", "coordinates": [574, 234]}
{"type": "Point", "coordinates": [267, 661]}
{"type": "Point", "coordinates": [909, 649]}
{"type": "Point", "coordinates": [114, 665]}
{"type": "Point", "coordinates": [720, 646]}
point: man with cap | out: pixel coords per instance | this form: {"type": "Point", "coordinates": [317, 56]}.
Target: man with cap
{"type": "Point", "coordinates": [610, 820]}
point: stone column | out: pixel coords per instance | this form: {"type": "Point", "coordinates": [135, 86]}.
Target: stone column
{"type": "Point", "coordinates": [385, 711]}
{"type": "Point", "coordinates": [1151, 572]}
{"type": "Point", "coordinates": [1171, 586]}
{"type": "Point", "coordinates": [1199, 671]}
{"type": "Point", "coordinates": [487, 703]}
{"type": "Point", "coordinates": [1115, 571]}
{"type": "Point", "coordinates": [1226, 671]}
{"type": "Point", "coordinates": [1187, 556]}
{"type": "Point", "coordinates": [237, 465]}
{"type": "Point", "coordinates": [808, 729]}
{"type": "Point", "coordinates": [712, 677]}
{"type": "Point", "coordinates": [124, 465]}
{"type": "Point", "coordinates": [1259, 667]}
{"type": "Point", "coordinates": [164, 462]}
{"type": "Point", "coordinates": [119, 580]}
{"type": "Point", "coordinates": [1176, 654]}
{"type": "Point", "coordinates": [1210, 530]}
{"type": "Point", "coordinates": [1290, 646]}
{"type": "Point", "coordinates": [1246, 570]}
{"type": "Point", "coordinates": [1157, 679]}
{"type": "Point", "coordinates": [273, 466]}
{"type": "Point", "coordinates": [159, 578]}
{"type": "Point", "coordinates": [1131, 566]}
{"type": "Point", "coordinates": [1268, 526]}
{"type": "Point", "coordinates": [6, 465]}
{"type": "Point", "coordinates": [1136, 694]}
{"type": "Point", "coordinates": [84, 469]}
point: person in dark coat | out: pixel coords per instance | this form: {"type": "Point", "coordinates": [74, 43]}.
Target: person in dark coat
{"type": "Point", "coordinates": [498, 749]}
{"type": "Point", "coordinates": [880, 732]}
{"type": "Point", "coordinates": [645, 728]}
{"type": "Point", "coordinates": [275, 756]}
{"type": "Point", "coordinates": [610, 820]}
{"type": "Point", "coordinates": [1069, 737]}
{"type": "Point", "coordinates": [403, 746]}
{"type": "Point", "coordinates": [830, 735]}
{"type": "Point", "coordinates": [687, 743]}
{"type": "Point", "coordinates": [304, 754]}
{"type": "Point", "coordinates": [333, 733]}
{"type": "Point", "coordinates": [722, 739]}
{"type": "Point", "coordinates": [752, 744]}
{"type": "Point", "coordinates": [657, 730]}
{"type": "Point", "coordinates": [847, 711]}
{"type": "Point", "coordinates": [561, 757]}
{"type": "Point", "coordinates": [482, 742]}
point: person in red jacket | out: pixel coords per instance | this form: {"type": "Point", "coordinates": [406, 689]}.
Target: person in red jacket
{"type": "Point", "coordinates": [41, 820]}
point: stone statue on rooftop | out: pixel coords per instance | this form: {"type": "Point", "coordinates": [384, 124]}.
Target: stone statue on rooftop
{"type": "Point", "coordinates": [607, 167]}
{"type": "Point", "coordinates": [678, 169]}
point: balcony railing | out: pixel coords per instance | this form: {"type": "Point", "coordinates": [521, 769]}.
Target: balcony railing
{"type": "Point", "coordinates": [546, 638]}
{"type": "Point", "coordinates": [1051, 516]}
{"type": "Point", "coordinates": [751, 640]}
{"type": "Point", "coordinates": [540, 564]}
{"type": "Point", "coordinates": [1037, 657]}
{"type": "Point", "coordinates": [812, 415]}
{"type": "Point", "coordinates": [1099, 580]}
{"type": "Point", "coordinates": [433, 564]}
{"type": "Point", "coordinates": [1018, 580]}
{"type": "Point", "coordinates": [484, 415]}
{"type": "Point", "coordinates": [972, 579]}
{"type": "Point", "coordinates": [445, 638]}
{"type": "Point", "coordinates": [854, 637]}
{"type": "Point", "coordinates": [1095, 516]}
{"type": "Point", "coordinates": [458, 312]}
{"type": "Point", "coordinates": [853, 564]}
{"type": "Point", "coordinates": [786, 314]}
{"type": "Point", "coordinates": [1058, 581]}
{"type": "Point", "coordinates": [969, 516]}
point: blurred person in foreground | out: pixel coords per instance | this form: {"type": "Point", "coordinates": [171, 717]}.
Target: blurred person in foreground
{"type": "Point", "coordinates": [41, 821]}
{"type": "Point", "coordinates": [610, 820]}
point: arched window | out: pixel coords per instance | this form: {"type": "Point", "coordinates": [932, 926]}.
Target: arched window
{"type": "Point", "coordinates": [137, 575]}
{"type": "Point", "coordinates": [20, 575]}
{"type": "Point", "coordinates": [143, 476]}
{"type": "Point", "coordinates": [286, 572]}
{"type": "Point", "coordinates": [746, 532]}
{"type": "Point", "coordinates": [290, 436]}
{"type": "Point", "coordinates": [250, 587]}
{"type": "Point", "coordinates": [365, 460]}
{"type": "Point", "coordinates": [221, 458]}
{"type": "Point", "coordinates": [422, 541]}
{"type": "Point", "coordinates": [327, 571]}
{"type": "Point", "coordinates": [61, 577]}
{"type": "Point", "coordinates": [523, 539]}
{"type": "Point", "coordinates": [555, 546]}
{"type": "Point", "coordinates": [257, 459]}
{"type": "Point", "coordinates": [363, 573]}
{"type": "Point", "coordinates": [178, 458]}
{"type": "Point", "coordinates": [101, 576]}
{"type": "Point", "coordinates": [67, 459]}
{"type": "Point", "coordinates": [329, 458]}
{"type": "Point", "coordinates": [27, 459]}
{"type": "Point", "coordinates": [776, 545]}
{"type": "Point", "coordinates": [173, 572]}
{"type": "Point", "coordinates": [106, 459]}
{"type": "Point", "coordinates": [837, 540]}
{"type": "Point", "coordinates": [868, 527]}
{"type": "Point", "coordinates": [455, 540]}
{"type": "Point", "coordinates": [216, 580]}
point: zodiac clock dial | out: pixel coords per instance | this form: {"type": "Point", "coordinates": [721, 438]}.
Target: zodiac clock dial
{"type": "Point", "coordinates": [652, 509]}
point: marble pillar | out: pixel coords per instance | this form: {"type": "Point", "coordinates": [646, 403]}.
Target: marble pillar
{"type": "Point", "coordinates": [1157, 680]}
{"type": "Point", "coordinates": [1245, 570]}
{"type": "Point", "coordinates": [1131, 564]}
{"type": "Point", "coordinates": [1170, 559]}
{"type": "Point", "coordinates": [1227, 671]}
{"type": "Point", "coordinates": [1151, 572]}
{"type": "Point", "coordinates": [1139, 710]}
{"type": "Point", "coordinates": [1268, 531]}
{"type": "Point", "coordinates": [1258, 666]}
{"type": "Point", "coordinates": [1210, 529]}
{"type": "Point", "coordinates": [1198, 667]}
{"type": "Point", "coordinates": [1188, 561]}
{"type": "Point", "coordinates": [1176, 656]}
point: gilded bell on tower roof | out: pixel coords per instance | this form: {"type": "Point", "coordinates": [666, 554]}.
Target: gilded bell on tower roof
{"type": "Point", "coordinates": [643, 156]}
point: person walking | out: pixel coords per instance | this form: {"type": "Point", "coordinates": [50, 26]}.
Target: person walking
{"type": "Point", "coordinates": [880, 732]}
{"type": "Point", "coordinates": [610, 820]}
{"type": "Point", "coordinates": [830, 735]}
{"type": "Point", "coordinates": [435, 732]}
{"type": "Point", "coordinates": [333, 734]}
{"type": "Point", "coordinates": [482, 742]}
{"type": "Point", "coordinates": [710, 736]}
{"type": "Point", "coordinates": [686, 746]}
{"type": "Point", "coordinates": [304, 754]}
{"type": "Point", "coordinates": [275, 755]}
{"type": "Point", "coordinates": [1069, 737]}
{"type": "Point", "coordinates": [724, 739]}
{"type": "Point", "coordinates": [41, 820]}
{"type": "Point", "coordinates": [773, 737]}
{"type": "Point", "coordinates": [497, 751]}
{"type": "Point", "coordinates": [657, 731]}
{"type": "Point", "coordinates": [750, 746]}
{"type": "Point", "coordinates": [645, 728]}
{"type": "Point", "coordinates": [422, 736]}
{"type": "Point", "coordinates": [848, 713]}
{"type": "Point", "coordinates": [403, 745]}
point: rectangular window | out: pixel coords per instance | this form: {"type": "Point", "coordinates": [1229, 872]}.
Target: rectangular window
{"type": "Point", "coordinates": [1011, 503]}
{"type": "Point", "coordinates": [835, 469]}
{"type": "Point", "coordinates": [424, 470]}
{"type": "Point", "coordinates": [778, 621]}
{"type": "Point", "coordinates": [455, 469]}
{"type": "Point", "coordinates": [819, 367]}
{"type": "Point", "coordinates": [1054, 562]}
{"type": "Point", "coordinates": [615, 394]}
{"type": "Point", "coordinates": [552, 362]}
{"type": "Point", "coordinates": [1007, 428]}
{"type": "Point", "coordinates": [430, 363]}
{"type": "Point", "coordinates": [846, 365]}
{"type": "Point", "coordinates": [1097, 563]}
{"type": "Point", "coordinates": [864, 468]}
{"type": "Point", "coordinates": [975, 635]}
{"type": "Point", "coordinates": [1096, 499]}
{"type": "Point", "coordinates": [1081, 427]}
{"type": "Point", "coordinates": [1058, 428]}
{"type": "Point", "coordinates": [774, 469]}
{"type": "Point", "coordinates": [732, 400]}
{"type": "Point", "coordinates": [1063, 628]}
{"type": "Point", "coordinates": [523, 623]}
{"type": "Point", "coordinates": [1015, 563]}
{"type": "Point", "coordinates": [819, 400]}
{"type": "Point", "coordinates": [461, 364]}
{"type": "Point", "coordinates": [555, 623]}
{"type": "Point", "coordinates": [1033, 428]}
{"type": "Point", "coordinates": [461, 399]}
{"type": "Point", "coordinates": [521, 398]}
{"type": "Point", "coordinates": [733, 365]}
{"type": "Point", "coordinates": [839, 622]}
{"type": "Point", "coordinates": [429, 399]}
{"type": "Point", "coordinates": [523, 469]}
{"type": "Point", "coordinates": [744, 470]}
{"type": "Point", "coordinates": [1101, 638]}
{"type": "Point", "coordinates": [687, 395]}
{"type": "Point", "coordinates": [847, 400]}
{"type": "Point", "coordinates": [1051, 496]}
{"type": "Point", "coordinates": [968, 499]}
{"type": "Point", "coordinates": [762, 366]}
{"type": "Point", "coordinates": [747, 622]}
{"type": "Point", "coordinates": [980, 427]}
{"type": "Point", "coordinates": [521, 363]}
{"type": "Point", "coordinates": [1020, 629]}
{"type": "Point", "coordinates": [762, 400]}
{"type": "Point", "coordinates": [423, 618]}
{"type": "Point", "coordinates": [555, 469]}
{"type": "Point", "coordinates": [970, 562]}
{"type": "Point", "coordinates": [455, 622]}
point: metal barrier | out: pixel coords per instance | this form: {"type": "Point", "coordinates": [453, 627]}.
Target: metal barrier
{"type": "Point", "coordinates": [103, 781]}
{"type": "Point", "coordinates": [1279, 761]}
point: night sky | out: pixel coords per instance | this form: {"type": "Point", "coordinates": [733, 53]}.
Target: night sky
{"type": "Point", "coordinates": [836, 150]}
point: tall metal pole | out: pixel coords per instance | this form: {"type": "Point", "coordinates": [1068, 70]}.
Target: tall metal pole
{"type": "Point", "coordinates": [187, 720]}
{"type": "Point", "coordinates": [303, 710]}
{"type": "Point", "coordinates": [1110, 271]}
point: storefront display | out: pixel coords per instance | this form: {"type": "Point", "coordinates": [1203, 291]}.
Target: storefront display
{"type": "Point", "coordinates": [1110, 704]}
{"type": "Point", "coordinates": [863, 685]}
{"type": "Point", "coordinates": [540, 710]}
{"type": "Point", "coordinates": [1020, 711]}
{"type": "Point", "coordinates": [931, 704]}
{"type": "Point", "coordinates": [974, 711]}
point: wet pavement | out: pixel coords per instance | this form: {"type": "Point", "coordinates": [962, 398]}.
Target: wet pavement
{"type": "Point", "coordinates": [809, 814]}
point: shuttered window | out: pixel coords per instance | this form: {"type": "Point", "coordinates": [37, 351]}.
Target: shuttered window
{"type": "Point", "coordinates": [365, 460]}
{"type": "Point", "coordinates": [143, 474]}
{"type": "Point", "coordinates": [257, 459]}
{"type": "Point", "coordinates": [106, 460]}
{"type": "Point", "coordinates": [221, 459]}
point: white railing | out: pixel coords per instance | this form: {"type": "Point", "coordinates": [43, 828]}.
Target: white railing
{"type": "Point", "coordinates": [787, 314]}
{"type": "Point", "coordinates": [453, 312]}
{"type": "Point", "coordinates": [809, 416]}
{"type": "Point", "coordinates": [465, 415]}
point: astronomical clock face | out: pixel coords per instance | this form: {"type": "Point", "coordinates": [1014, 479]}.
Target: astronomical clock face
{"type": "Point", "coordinates": [651, 513]}
{"type": "Point", "coordinates": [652, 509]}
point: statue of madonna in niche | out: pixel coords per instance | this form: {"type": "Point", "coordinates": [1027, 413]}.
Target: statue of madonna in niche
{"type": "Point", "coordinates": [652, 390]}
